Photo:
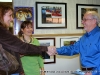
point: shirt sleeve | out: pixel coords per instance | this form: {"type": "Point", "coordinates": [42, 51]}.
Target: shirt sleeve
{"type": "Point", "coordinates": [13, 43]}
{"type": "Point", "coordinates": [69, 50]}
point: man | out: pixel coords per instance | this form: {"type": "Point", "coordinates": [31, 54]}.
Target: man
{"type": "Point", "coordinates": [88, 46]}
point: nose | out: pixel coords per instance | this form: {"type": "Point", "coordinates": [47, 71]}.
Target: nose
{"type": "Point", "coordinates": [12, 18]}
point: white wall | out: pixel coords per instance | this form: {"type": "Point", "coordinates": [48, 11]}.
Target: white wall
{"type": "Point", "coordinates": [63, 63]}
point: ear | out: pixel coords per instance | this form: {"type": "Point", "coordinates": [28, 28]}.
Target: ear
{"type": "Point", "coordinates": [95, 21]}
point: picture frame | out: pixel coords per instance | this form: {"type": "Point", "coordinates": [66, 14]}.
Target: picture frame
{"type": "Point", "coordinates": [68, 41]}
{"type": "Point", "coordinates": [22, 14]}
{"type": "Point", "coordinates": [81, 9]}
{"type": "Point", "coordinates": [47, 42]}
{"type": "Point", "coordinates": [51, 15]}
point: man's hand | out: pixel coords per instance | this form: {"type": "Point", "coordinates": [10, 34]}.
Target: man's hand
{"type": "Point", "coordinates": [88, 73]}
{"type": "Point", "coordinates": [51, 50]}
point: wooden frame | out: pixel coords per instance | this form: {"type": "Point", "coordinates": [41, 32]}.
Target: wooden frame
{"type": "Point", "coordinates": [68, 41]}
{"type": "Point", "coordinates": [81, 9]}
{"type": "Point", "coordinates": [51, 15]}
{"type": "Point", "coordinates": [54, 35]}
{"type": "Point", "coordinates": [47, 42]}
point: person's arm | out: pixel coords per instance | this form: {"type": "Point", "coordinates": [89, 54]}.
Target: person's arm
{"type": "Point", "coordinates": [11, 42]}
{"type": "Point", "coordinates": [41, 64]}
{"type": "Point", "coordinates": [69, 50]}
{"type": "Point", "coordinates": [42, 71]}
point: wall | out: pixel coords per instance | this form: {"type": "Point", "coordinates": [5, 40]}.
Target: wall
{"type": "Point", "coordinates": [71, 14]}
{"type": "Point", "coordinates": [63, 63]}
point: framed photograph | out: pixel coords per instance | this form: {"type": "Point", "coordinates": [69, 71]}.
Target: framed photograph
{"type": "Point", "coordinates": [51, 15]}
{"type": "Point", "coordinates": [47, 42]}
{"type": "Point", "coordinates": [22, 14]}
{"type": "Point", "coordinates": [81, 9]}
{"type": "Point", "coordinates": [68, 41]}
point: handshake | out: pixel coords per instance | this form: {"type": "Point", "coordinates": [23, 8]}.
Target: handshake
{"type": "Point", "coordinates": [51, 50]}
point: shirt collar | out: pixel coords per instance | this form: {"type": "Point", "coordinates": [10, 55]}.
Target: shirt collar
{"type": "Point", "coordinates": [93, 31]}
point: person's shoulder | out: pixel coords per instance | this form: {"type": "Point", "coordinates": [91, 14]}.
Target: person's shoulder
{"type": "Point", "coordinates": [19, 37]}
{"type": "Point", "coordinates": [2, 28]}
{"type": "Point", "coordinates": [35, 39]}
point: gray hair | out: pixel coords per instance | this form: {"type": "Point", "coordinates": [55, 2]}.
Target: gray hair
{"type": "Point", "coordinates": [94, 15]}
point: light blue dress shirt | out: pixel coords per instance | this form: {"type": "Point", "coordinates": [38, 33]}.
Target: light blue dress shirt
{"type": "Point", "coordinates": [88, 47]}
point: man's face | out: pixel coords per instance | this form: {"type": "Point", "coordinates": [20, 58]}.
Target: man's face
{"type": "Point", "coordinates": [88, 22]}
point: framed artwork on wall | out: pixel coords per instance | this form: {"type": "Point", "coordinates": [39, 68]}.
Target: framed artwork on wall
{"type": "Point", "coordinates": [68, 41]}
{"type": "Point", "coordinates": [50, 15]}
{"type": "Point", "coordinates": [81, 9]}
{"type": "Point", "coordinates": [22, 14]}
{"type": "Point", "coordinates": [47, 42]}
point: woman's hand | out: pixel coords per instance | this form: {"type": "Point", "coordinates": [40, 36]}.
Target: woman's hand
{"type": "Point", "coordinates": [42, 71]}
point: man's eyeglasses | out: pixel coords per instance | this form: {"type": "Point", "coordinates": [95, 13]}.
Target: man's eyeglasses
{"type": "Point", "coordinates": [84, 20]}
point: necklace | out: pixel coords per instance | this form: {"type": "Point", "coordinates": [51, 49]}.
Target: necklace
{"type": "Point", "coordinates": [26, 41]}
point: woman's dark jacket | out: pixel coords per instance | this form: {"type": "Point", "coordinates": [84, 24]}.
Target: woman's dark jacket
{"type": "Point", "coordinates": [15, 46]}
